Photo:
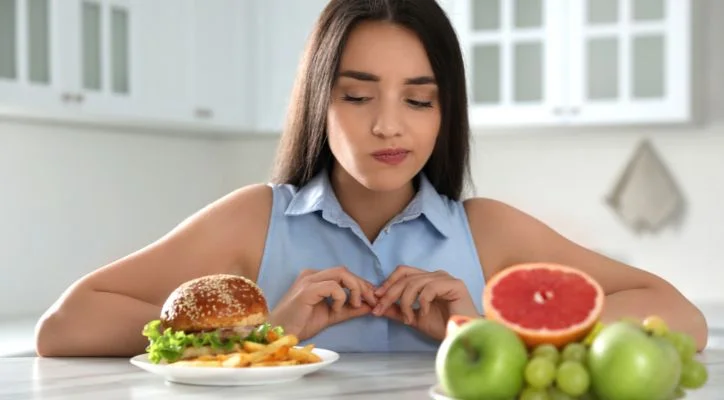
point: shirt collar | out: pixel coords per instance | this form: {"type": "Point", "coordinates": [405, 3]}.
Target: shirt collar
{"type": "Point", "coordinates": [318, 195]}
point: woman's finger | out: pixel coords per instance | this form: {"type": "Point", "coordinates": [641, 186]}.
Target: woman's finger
{"type": "Point", "coordinates": [347, 312]}
{"type": "Point", "coordinates": [392, 294]}
{"type": "Point", "coordinates": [394, 313]}
{"type": "Point", "coordinates": [410, 293]}
{"type": "Point", "coordinates": [357, 286]}
{"type": "Point", "coordinates": [401, 272]}
{"type": "Point", "coordinates": [428, 294]}
{"type": "Point", "coordinates": [320, 291]}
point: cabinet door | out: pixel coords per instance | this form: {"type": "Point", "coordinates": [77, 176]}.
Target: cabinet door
{"type": "Point", "coordinates": [31, 57]}
{"type": "Point", "coordinates": [629, 61]}
{"type": "Point", "coordinates": [514, 59]}
{"type": "Point", "coordinates": [99, 43]}
{"type": "Point", "coordinates": [221, 62]}
{"type": "Point", "coordinates": [279, 44]}
{"type": "Point", "coordinates": [161, 37]}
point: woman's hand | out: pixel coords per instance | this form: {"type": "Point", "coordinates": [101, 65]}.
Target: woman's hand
{"type": "Point", "coordinates": [438, 294]}
{"type": "Point", "coordinates": [305, 309]}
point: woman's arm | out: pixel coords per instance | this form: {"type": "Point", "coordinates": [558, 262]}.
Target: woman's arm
{"type": "Point", "coordinates": [505, 236]}
{"type": "Point", "coordinates": [103, 313]}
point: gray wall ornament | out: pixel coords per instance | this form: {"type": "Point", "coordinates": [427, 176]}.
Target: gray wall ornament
{"type": "Point", "coordinates": [646, 196]}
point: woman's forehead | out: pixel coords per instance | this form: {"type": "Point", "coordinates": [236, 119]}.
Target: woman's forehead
{"type": "Point", "coordinates": [386, 50]}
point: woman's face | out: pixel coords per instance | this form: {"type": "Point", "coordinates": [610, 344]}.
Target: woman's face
{"type": "Point", "coordinates": [384, 114]}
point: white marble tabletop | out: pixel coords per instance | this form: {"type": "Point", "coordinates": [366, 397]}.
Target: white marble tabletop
{"type": "Point", "coordinates": [354, 376]}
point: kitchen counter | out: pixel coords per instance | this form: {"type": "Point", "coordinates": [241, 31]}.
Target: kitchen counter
{"type": "Point", "coordinates": [353, 376]}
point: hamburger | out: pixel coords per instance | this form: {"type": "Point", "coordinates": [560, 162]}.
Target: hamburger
{"type": "Point", "coordinates": [209, 315]}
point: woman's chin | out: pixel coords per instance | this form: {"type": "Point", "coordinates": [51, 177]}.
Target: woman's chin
{"type": "Point", "coordinates": [386, 182]}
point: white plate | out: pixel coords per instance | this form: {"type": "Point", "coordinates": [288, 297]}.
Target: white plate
{"type": "Point", "coordinates": [437, 393]}
{"type": "Point", "coordinates": [210, 376]}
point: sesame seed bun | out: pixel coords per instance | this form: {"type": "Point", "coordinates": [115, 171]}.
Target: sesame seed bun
{"type": "Point", "coordinates": [212, 302]}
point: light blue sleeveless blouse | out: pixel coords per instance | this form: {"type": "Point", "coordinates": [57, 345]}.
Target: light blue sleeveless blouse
{"type": "Point", "coordinates": [309, 229]}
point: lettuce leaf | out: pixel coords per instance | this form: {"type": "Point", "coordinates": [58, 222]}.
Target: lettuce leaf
{"type": "Point", "coordinates": [169, 345]}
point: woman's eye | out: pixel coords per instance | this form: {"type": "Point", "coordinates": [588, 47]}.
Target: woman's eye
{"type": "Point", "coordinates": [416, 103]}
{"type": "Point", "coordinates": [353, 99]}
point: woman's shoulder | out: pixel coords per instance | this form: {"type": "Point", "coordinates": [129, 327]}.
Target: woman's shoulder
{"type": "Point", "coordinates": [501, 232]}
{"type": "Point", "coordinates": [241, 219]}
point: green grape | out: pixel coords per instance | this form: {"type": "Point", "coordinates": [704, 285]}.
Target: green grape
{"type": "Point", "coordinates": [540, 372]}
{"type": "Point", "coordinates": [555, 394]}
{"type": "Point", "coordinates": [689, 346]}
{"type": "Point", "coordinates": [683, 343]}
{"type": "Point", "coordinates": [573, 378]}
{"type": "Point", "coordinates": [574, 352]}
{"type": "Point", "coordinates": [548, 351]}
{"type": "Point", "coordinates": [656, 325]}
{"type": "Point", "coordinates": [531, 393]}
{"type": "Point", "coordinates": [693, 374]}
{"type": "Point", "coordinates": [679, 393]}
{"type": "Point", "coordinates": [587, 396]}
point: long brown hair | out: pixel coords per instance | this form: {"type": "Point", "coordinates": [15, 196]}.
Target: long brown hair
{"type": "Point", "coordinates": [303, 150]}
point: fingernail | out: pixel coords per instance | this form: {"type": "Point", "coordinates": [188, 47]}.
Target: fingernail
{"type": "Point", "coordinates": [379, 291]}
{"type": "Point", "coordinates": [377, 309]}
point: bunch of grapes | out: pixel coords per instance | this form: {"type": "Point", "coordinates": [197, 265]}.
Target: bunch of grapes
{"type": "Point", "coordinates": [553, 374]}
{"type": "Point", "coordinates": [693, 373]}
{"type": "Point", "coordinates": [557, 375]}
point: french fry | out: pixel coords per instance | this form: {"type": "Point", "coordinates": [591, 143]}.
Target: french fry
{"type": "Point", "coordinates": [304, 357]}
{"type": "Point", "coordinates": [238, 360]}
{"type": "Point", "coordinates": [279, 352]}
{"type": "Point", "coordinates": [251, 347]}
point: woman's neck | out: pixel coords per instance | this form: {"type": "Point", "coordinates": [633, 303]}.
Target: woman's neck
{"type": "Point", "coordinates": [371, 210]}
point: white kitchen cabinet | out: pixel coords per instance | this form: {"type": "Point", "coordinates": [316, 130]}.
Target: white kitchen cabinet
{"type": "Point", "coordinates": [96, 39]}
{"type": "Point", "coordinates": [172, 64]}
{"type": "Point", "coordinates": [30, 68]}
{"type": "Point", "coordinates": [66, 58]}
{"type": "Point", "coordinates": [629, 61]}
{"type": "Point", "coordinates": [575, 62]}
{"type": "Point", "coordinates": [513, 52]}
{"type": "Point", "coordinates": [280, 34]}
{"type": "Point", "coordinates": [221, 60]}
{"type": "Point", "coordinates": [84, 60]}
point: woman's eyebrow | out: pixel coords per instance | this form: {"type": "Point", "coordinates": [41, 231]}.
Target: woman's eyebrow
{"type": "Point", "coordinates": [368, 77]}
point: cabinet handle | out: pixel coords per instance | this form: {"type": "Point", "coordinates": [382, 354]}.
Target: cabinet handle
{"type": "Point", "coordinates": [204, 113]}
{"type": "Point", "coordinates": [569, 111]}
{"type": "Point", "coordinates": [66, 97]}
{"type": "Point", "coordinates": [79, 97]}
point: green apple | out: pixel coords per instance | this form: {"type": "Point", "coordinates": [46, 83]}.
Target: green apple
{"type": "Point", "coordinates": [625, 362]}
{"type": "Point", "coordinates": [481, 359]}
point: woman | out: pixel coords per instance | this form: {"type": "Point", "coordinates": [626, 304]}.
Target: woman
{"type": "Point", "coordinates": [365, 218]}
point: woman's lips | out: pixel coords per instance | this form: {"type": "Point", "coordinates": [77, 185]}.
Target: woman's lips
{"type": "Point", "coordinates": [391, 156]}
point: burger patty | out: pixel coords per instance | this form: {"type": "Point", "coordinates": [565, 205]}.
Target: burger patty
{"type": "Point", "coordinates": [224, 334]}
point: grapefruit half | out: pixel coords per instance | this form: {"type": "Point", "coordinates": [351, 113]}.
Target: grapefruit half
{"type": "Point", "coordinates": [544, 303]}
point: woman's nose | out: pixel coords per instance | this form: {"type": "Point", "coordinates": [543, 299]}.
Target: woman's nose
{"type": "Point", "coordinates": [387, 121]}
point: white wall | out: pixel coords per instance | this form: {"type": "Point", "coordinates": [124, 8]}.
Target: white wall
{"type": "Point", "coordinates": [73, 199]}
